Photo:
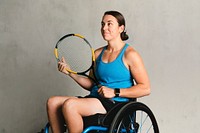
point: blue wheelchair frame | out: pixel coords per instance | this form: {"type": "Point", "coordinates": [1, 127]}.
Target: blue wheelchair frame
{"type": "Point", "coordinates": [88, 129]}
{"type": "Point", "coordinates": [116, 115]}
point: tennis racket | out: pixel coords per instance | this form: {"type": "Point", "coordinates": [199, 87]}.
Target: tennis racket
{"type": "Point", "coordinates": [78, 53]}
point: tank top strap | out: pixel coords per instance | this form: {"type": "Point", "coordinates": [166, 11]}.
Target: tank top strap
{"type": "Point", "coordinates": [121, 54]}
{"type": "Point", "coordinates": [100, 56]}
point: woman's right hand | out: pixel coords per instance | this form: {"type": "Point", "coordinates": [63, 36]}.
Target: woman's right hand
{"type": "Point", "coordinates": [63, 66]}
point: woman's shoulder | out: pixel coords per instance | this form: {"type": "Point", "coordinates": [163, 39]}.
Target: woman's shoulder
{"type": "Point", "coordinates": [98, 51]}
{"type": "Point", "coordinates": [130, 50]}
{"type": "Point", "coordinates": [131, 53]}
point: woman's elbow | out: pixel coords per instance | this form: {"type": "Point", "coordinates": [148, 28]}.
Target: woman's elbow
{"type": "Point", "coordinates": [148, 90]}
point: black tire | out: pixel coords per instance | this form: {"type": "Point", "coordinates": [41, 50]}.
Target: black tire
{"type": "Point", "coordinates": [134, 117]}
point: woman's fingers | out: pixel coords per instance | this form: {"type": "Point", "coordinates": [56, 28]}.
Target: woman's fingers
{"type": "Point", "coordinates": [62, 66]}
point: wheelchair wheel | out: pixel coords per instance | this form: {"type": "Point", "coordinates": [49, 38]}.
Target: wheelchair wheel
{"type": "Point", "coordinates": [134, 117]}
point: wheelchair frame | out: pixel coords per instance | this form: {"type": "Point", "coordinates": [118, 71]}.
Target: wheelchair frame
{"type": "Point", "coordinates": [131, 117]}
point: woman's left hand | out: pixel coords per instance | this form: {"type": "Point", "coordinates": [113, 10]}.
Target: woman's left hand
{"type": "Point", "coordinates": [106, 92]}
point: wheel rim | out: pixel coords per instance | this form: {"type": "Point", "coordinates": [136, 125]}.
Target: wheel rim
{"type": "Point", "coordinates": [134, 119]}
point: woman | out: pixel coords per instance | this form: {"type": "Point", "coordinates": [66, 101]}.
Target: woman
{"type": "Point", "coordinates": [117, 66]}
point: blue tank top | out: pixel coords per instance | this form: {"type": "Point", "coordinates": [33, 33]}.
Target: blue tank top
{"type": "Point", "coordinates": [113, 74]}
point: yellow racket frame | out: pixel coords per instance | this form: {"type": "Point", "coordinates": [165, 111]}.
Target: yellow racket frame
{"type": "Point", "coordinates": [78, 35]}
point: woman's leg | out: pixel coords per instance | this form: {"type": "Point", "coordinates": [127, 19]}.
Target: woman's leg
{"type": "Point", "coordinates": [54, 111]}
{"type": "Point", "coordinates": [75, 108]}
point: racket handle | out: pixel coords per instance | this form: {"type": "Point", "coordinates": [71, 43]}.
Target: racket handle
{"type": "Point", "coordinates": [99, 85]}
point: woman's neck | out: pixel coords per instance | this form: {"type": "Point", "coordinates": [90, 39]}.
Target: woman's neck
{"type": "Point", "coordinates": [114, 46]}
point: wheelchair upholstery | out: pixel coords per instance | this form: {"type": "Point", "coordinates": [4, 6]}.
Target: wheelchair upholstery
{"type": "Point", "coordinates": [103, 119]}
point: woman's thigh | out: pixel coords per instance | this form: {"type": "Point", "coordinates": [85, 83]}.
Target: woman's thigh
{"type": "Point", "coordinates": [85, 106]}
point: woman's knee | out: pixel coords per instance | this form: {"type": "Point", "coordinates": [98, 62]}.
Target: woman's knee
{"type": "Point", "coordinates": [70, 104]}
{"type": "Point", "coordinates": [52, 102]}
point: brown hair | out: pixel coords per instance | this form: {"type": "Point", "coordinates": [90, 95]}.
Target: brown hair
{"type": "Point", "coordinates": [120, 20]}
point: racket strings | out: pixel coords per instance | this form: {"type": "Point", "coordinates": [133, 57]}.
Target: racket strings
{"type": "Point", "coordinates": [76, 52]}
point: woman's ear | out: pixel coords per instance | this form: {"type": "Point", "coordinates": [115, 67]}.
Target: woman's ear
{"type": "Point", "coordinates": [121, 28]}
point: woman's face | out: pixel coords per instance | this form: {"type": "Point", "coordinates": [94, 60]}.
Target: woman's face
{"type": "Point", "coordinates": [110, 28]}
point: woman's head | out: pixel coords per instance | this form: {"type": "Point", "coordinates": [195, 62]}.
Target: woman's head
{"type": "Point", "coordinates": [120, 22]}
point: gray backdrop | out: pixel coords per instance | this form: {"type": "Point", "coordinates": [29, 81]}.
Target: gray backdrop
{"type": "Point", "coordinates": [165, 33]}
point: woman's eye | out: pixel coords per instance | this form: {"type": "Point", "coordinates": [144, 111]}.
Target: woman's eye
{"type": "Point", "coordinates": [110, 24]}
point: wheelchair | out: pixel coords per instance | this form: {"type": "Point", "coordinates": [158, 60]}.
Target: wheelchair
{"type": "Point", "coordinates": [129, 117]}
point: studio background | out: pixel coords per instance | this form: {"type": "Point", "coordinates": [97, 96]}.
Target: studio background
{"type": "Point", "coordinates": [164, 32]}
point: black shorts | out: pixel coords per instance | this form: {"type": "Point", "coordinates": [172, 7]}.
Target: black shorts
{"type": "Point", "coordinates": [107, 103]}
